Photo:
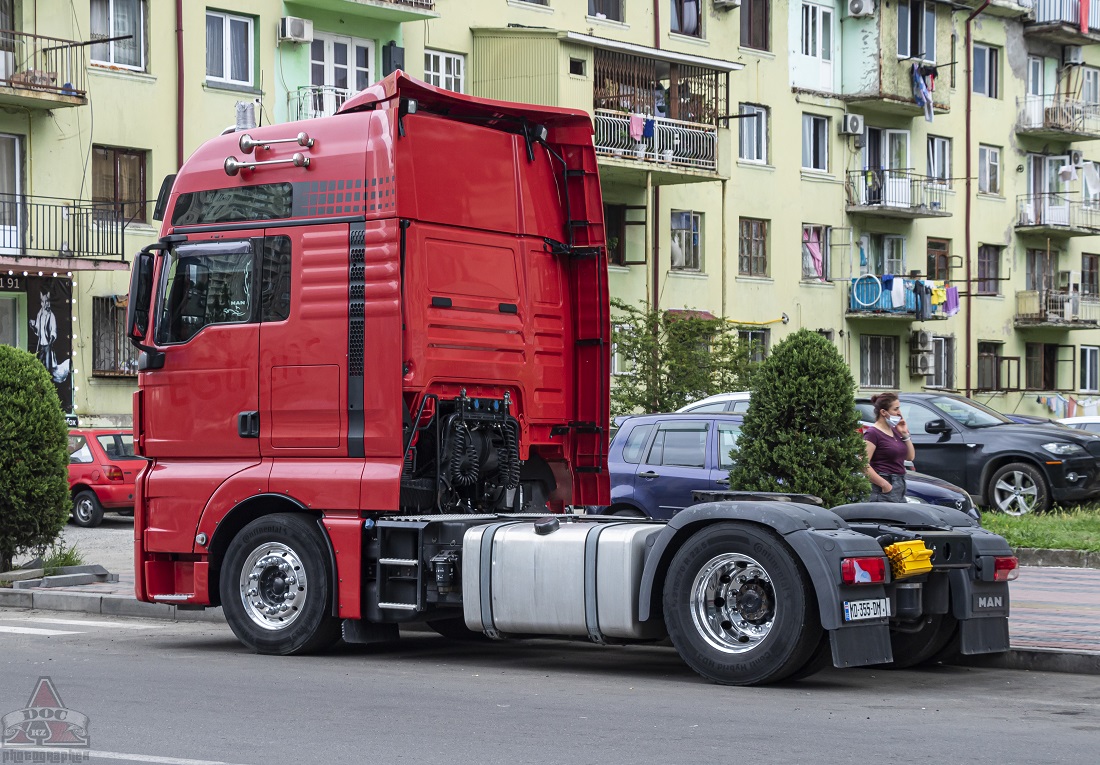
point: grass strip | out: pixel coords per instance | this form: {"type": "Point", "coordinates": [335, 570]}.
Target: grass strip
{"type": "Point", "coordinates": [1061, 529]}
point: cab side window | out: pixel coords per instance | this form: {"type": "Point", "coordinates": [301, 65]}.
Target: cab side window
{"type": "Point", "coordinates": [209, 283]}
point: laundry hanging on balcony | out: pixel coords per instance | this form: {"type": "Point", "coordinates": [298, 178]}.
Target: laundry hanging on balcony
{"type": "Point", "coordinates": [921, 94]}
{"type": "Point", "coordinates": [951, 306]}
{"type": "Point", "coordinates": [636, 127]}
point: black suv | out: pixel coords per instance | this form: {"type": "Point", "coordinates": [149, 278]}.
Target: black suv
{"type": "Point", "coordinates": [1011, 467]}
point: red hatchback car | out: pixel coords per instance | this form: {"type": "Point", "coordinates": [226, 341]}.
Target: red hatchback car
{"type": "Point", "coordinates": [102, 470]}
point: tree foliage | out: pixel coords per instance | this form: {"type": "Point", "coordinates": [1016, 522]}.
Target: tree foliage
{"type": "Point", "coordinates": [674, 359]}
{"type": "Point", "coordinates": [34, 457]}
{"type": "Point", "coordinates": [800, 433]}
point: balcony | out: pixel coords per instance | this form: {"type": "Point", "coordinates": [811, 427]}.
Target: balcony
{"type": "Point", "coordinates": [675, 145]}
{"type": "Point", "coordinates": [1057, 215]}
{"type": "Point", "coordinates": [1058, 118]}
{"type": "Point", "coordinates": [382, 10]}
{"type": "Point", "coordinates": [40, 72]}
{"type": "Point", "coordinates": [898, 194]}
{"type": "Point", "coordinates": [55, 233]}
{"type": "Point", "coordinates": [892, 92]}
{"type": "Point", "coordinates": [310, 101]}
{"type": "Point", "coordinates": [869, 298]}
{"type": "Point", "coordinates": [1056, 309]}
{"type": "Point", "coordinates": [1060, 21]}
{"type": "Point", "coordinates": [1003, 8]}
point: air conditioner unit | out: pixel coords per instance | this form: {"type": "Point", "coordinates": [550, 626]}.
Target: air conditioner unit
{"type": "Point", "coordinates": [858, 8]}
{"type": "Point", "coordinates": [295, 30]}
{"type": "Point", "coordinates": [726, 4]}
{"type": "Point", "coordinates": [851, 124]}
{"type": "Point", "coordinates": [922, 364]}
{"type": "Point", "coordinates": [920, 341]}
{"type": "Point", "coordinates": [1077, 158]}
{"type": "Point", "coordinates": [1072, 55]}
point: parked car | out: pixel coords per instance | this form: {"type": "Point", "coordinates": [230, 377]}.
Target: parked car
{"type": "Point", "coordinates": [1033, 419]}
{"type": "Point", "coordinates": [1012, 467]}
{"type": "Point", "coordinates": [733, 403]}
{"type": "Point", "coordinates": [1089, 423]}
{"type": "Point", "coordinates": [657, 460]}
{"type": "Point", "coordinates": [102, 470]}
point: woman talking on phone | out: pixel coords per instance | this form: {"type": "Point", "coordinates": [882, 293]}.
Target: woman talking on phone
{"type": "Point", "coordinates": [888, 446]}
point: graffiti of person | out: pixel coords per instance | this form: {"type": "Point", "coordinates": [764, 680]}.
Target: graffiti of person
{"type": "Point", "coordinates": [45, 332]}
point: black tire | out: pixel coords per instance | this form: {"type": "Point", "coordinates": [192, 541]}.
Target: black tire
{"type": "Point", "coordinates": [279, 562]}
{"type": "Point", "coordinates": [913, 649]}
{"type": "Point", "coordinates": [1018, 488]}
{"type": "Point", "coordinates": [821, 658]}
{"type": "Point", "coordinates": [455, 629]}
{"type": "Point", "coordinates": [628, 512]}
{"type": "Point", "coordinates": [87, 512]}
{"type": "Point", "coordinates": [776, 630]}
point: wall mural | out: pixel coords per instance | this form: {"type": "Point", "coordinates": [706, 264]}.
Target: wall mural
{"type": "Point", "coordinates": [50, 314]}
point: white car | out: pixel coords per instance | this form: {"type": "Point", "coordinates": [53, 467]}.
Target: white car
{"type": "Point", "coordinates": [730, 403]}
{"type": "Point", "coordinates": [1089, 423]}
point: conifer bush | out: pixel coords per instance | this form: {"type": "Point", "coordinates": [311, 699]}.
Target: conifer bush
{"type": "Point", "coordinates": [34, 457]}
{"type": "Point", "coordinates": [800, 433]}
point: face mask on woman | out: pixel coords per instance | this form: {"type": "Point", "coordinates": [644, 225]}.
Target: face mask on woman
{"type": "Point", "coordinates": [893, 419]}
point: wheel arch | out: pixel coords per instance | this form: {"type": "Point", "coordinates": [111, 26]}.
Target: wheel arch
{"type": "Point", "coordinates": [1006, 458]}
{"type": "Point", "coordinates": [76, 488]}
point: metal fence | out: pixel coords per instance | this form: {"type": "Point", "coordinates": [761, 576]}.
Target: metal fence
{"type": "Point", "coordinates": [1060, 307]}
{"type": "Point", "coordinates": [310, 101]}
{"type": "Point", "coordinates": [900, 189]}
{"type": "Point", "coordinates": [673, 142]}
{"type": "Point", "coordinates": [45, 64]}
{"type": "Point", "coordinates": [1065, 12]}
{"type": "Point", "coordinates": [1057, 113]}
{"type": "Point", "coordinates": [60, 227]}
{"type": "Point", "coordinates": [1058, 210]}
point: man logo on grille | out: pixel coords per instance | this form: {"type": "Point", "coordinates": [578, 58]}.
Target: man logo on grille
{"type": "Point", "coordinates": [45, 722]}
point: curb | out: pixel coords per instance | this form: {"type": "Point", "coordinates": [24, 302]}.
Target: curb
{"type": "Point", "coordinates": [1036, 660]}
{"type": "Point", "coordinates": [1034, 556]}
{"type": "Point", "coordinates": [109, 605]}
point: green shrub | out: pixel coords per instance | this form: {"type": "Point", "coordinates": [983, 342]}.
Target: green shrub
{"type": "Point", "coordinates": [800, 434]}
{"type": "Point", "coordinates": [34, 457]}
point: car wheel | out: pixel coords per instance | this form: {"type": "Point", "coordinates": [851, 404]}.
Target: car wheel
{"type": "Point", "coordinates": [1018, 489]}
{"type": "Point", "coordinates": [276, 586]}
{"type": "Point", "coordinates": [87, 512]}
{"type": "Point", "coordinates": [739, 606]}
{"type": "Point", "coordinates": [628, 512]}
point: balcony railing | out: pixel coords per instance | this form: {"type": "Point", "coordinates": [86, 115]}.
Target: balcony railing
{"type": "Point", "coordinates": [310, 101]}
{"type": "Point", "coordinates": [1066, 12]}
{"type": "Point", "coordinates": [1066, 213]}
{"type": "Point", "coordinates": [425, 4]}
{"type": "Point", "coordinates": [1051, 307]}
{"type": "Point", "coordinates": [877, 295]}
{"type": "Point", "coordinates": [42, 65]}
{"type": "Point", "coordinates": [674, 142]}
{"type": "Point", "coordinates": [1058, 114]}
{"type": "Point", "coordinates": [44, 226]}
{"type": "Point", "coordinates": [898, 193]}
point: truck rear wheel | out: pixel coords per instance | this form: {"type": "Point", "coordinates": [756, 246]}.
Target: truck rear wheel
{"type": "Point", "coordinates": [276, 587]}
{"type": "Point", "coordinates": [739, 606]}
{"type": "Point", "coordinates": [922, 646]}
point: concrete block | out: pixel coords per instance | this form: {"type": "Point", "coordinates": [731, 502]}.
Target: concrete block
{"type": "Point", "coordinates": [67, 601]}
{"type": "Point", "coordinates": [26, 584]}
{"type": "Point", "coordinates": [94, 568]}
{"type": "Point", "coordinates": [124, 606]}
{"type": "Point", "coordinates": [68, 580]}
{"type": "Point", "coordinates": [21, 574]}
{"type": "Point", "coordinates": [14, 598]}
{"type": "Point", "coordinates": [1030, 556]}
{"type": "Point", "coordinates": [205, 615]}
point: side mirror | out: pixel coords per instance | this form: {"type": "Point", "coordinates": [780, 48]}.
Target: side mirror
{"type": "Point", "coordinates": [141, 297]}
{"type": "Point", "coordinates": [937, 426]}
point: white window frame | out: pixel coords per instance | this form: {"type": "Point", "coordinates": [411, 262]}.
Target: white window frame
{"type": "Point", "coordinates": [753, 138]}
{"type": "Point", "coordinates": [762, 339]}
{"type": "Point", "coordinates": [989, 169]}
{"type": "Point", "coordinates": [1090, 86]}
{"type": "Point", "coordinates": [926, 14]}
{"type": "Point", "coordinates": [1090, 369]}
{"type": "Point", "coordinates": [883, 254]}
{"type": "Point", "coordinates": [227, 53]}
{"type": "Point", "coordinates": [939, 159]}
{"type": "Point", "coordinates": [110, 60]}
{"type": "Point", "coordinates": [690, 241]}
{"type": "Point", "coordinates": [990, 85]}
{"type": "Point", "coordinates": [888, 367]}
{"type": "Point", "coordinates": [817, 31]}
{"type": "Point", "coordinates": [823, 241]}
{"type": "Point", "coordinates": [943, 352]}
{"type": "Point", "coordinates": [815, 128]}
{"type": "Point", "coordinates": [619, 364]}
{"type": "Point", "coordinates": [435, 66]}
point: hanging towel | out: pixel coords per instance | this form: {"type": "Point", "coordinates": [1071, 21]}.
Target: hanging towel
{"type": "Point", "coordinates": [952, 306]}
{"type": "Point", "coordinates": [921, 93]}
{"type": "Point", "coordinates": [939, 293]}
{"type": "Point", "coordinates": [897, 293]}
{"type": "Point", "coordinates": [647, 128]}
{"type": "Point", "coordinates": [887, 282]}
{"type": "Point", "coordinates": [637, 124]}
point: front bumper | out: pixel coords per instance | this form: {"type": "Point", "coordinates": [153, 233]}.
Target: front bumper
{"type": "Point", "coordinates": [1074, 479]}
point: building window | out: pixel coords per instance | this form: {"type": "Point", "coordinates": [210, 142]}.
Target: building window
{"type": "Point", "coordinates": [445, 70]}
{"type": "Point", "coordinates": [986, 70]}
{"type": "Point", "coordinates": [1090, 274]}
{"type": "Point", "coordinates": [229, 49]}
{"type": "Point", "coordinates": [755, 24]}
{"type": "Point", "coordinates": [118, 180]}
{"type": "Point", "coordinates": [753, 259]}
{"type": "Point", "coordinates": [943, 373]}
{"type": "Point", "coordinates": [817, 31]}
{"type": "Point", "coordinates": [606, 9]}
{"type": "Point", "coordinates": [1041, 366]}
{"type": "Point", "coordinates": [687, 243]}
{"type": "Point", "coordinates": [687, 17]}
{"type": "Point", "coordinates": [939, 159]}
{"type": "Point", "coordinates": [989, 169]}
{"type": "Point", "coordinates": [885, 254]}
{"type": "Point", "coordinates": [815, 253]}
{"type": "Point", "coordinates": [917, 30]}
{"type": "Point", "coordinates": [620, 365]}
{"type": "Point", "coordinates": [878, 361]}
{"type": "Point", "coordinates": [117, 18]}
{"type": "Point", "coordinates": [112, 352]}
{"type": "Point", "coordinates": [1040, 270]}
{"type": "Point", "coordinates": [989, 366]}
{"type": "Point", "coordinates": [989, 269]}
{"type": "Point", "coordinates": [754, 133]}
{"type": "Point", "coordinates": [1090, 369]}
{"type": "Point", "coordinates": [815, 142]}
{"type": "Point", "coordinates": [1090, 86]}
{"type": "Point", "coordinates": [756, 340]}
{"type": "Point", "coordinates": [939, 259]}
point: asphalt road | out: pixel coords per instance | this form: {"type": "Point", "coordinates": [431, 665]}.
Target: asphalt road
{"type": "Point", "coordinates": [187, 693]}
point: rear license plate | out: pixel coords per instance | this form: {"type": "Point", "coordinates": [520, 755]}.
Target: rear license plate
{"type": "Point", "coordinates": [854, 610]}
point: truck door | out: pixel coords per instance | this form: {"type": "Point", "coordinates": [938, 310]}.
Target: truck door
{"type": "Point", "coordinates": [675, 465]}
{"type": "Point", "coordinates": [203, 388]}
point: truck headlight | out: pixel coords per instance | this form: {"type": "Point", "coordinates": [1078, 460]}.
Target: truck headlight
{"type": "Point", "coordinates": [1063, 449]}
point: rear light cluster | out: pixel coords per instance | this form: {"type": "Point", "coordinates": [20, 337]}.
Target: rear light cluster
{"type": "Point", "coordinates": [1005, 568]}
{"type": "Point", "coordinates": [112, 472]}
{"type": "Point", "coordinates": [863, 570]}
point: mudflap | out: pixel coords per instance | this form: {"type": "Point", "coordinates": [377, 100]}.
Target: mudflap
{"type": "Point", "coordinates": [861, 645]}
{"type": "Point", "coordinates": [982, 609]}
{"type": "Point", "coordinates": [983, 636]}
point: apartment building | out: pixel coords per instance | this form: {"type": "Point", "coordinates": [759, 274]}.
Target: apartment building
{"type": "Point", "coordinates": [913, 179]}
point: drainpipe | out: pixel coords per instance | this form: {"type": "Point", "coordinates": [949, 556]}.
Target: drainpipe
{"type": "Point", "coordinates": [179, 84]}
{"type": "Point", "coordinates": [656, 189]}
{"type": "Point", "coordinates": [969, 184]}
{"type": "Point", "coordinates": [657, 24]}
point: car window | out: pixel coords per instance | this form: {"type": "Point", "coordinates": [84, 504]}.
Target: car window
{"type": "Point", "coordinates": [740, 407]}
{"type": "Point", "coordinates": [680, 445]}
{"type": "Point", "coordinates": [1092, 427]}
{"type": "Point", "coordinates": [118, 446]}
{"type": "Point", "coordinates": [916, 417]}
{"type": "Point", "coordinates": [713, 406]}
{"type": "Point", "coordinates": [866, 412]}
{"type": "Point", "coordinates": [635, 442]}
{"type": "Point", "coordinates": [79, 451]}
{"type": "Point", "coordinates": [727, 442]}
{"type": "Point", "coordinates": [968, 413]}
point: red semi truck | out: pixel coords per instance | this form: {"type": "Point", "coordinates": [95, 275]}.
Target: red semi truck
{"type": "Point", "coordinates": [374, 381]}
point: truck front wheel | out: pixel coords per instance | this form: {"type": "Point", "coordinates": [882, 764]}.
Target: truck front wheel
{"type": "Point", "coordinates": [739, 606]}
{"type": "Point", "coordinates": [276, 586]}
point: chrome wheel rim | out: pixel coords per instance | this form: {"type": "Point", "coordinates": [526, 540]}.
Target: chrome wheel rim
{"type": "Point", "coordinates": [273, 586]}
{"type": "Point", "coordinates": [733, 603]}
{"type": "Point", "coordinates": [1015, 493]}
{"type": "Point", "coordinates": [83, 510]}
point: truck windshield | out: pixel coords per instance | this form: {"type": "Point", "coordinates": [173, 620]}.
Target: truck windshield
{"type": "Point", "coordinates": [204, 284]}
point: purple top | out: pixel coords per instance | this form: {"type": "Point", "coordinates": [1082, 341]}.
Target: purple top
{"type": "Point", "coordinates": [890, 451]}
